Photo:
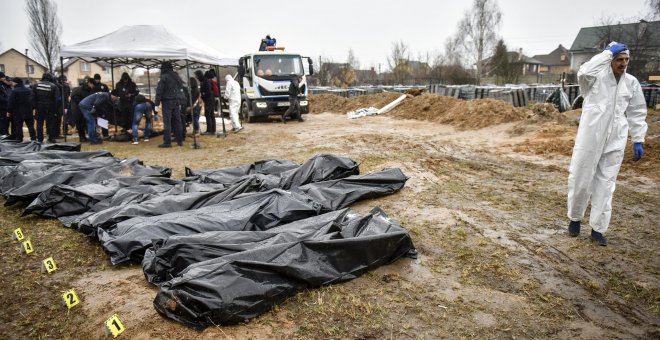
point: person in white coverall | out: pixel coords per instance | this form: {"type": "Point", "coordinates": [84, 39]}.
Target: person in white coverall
{"type": "Point", "coordinates": [613, 102]}
{"type": "Point", "coordinates": [233, 95]}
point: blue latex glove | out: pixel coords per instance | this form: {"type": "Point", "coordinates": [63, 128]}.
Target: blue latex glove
{"type": "Point", "coordinates": [639, 151]}
{"type": "Point", "coordinates": [616, 48]}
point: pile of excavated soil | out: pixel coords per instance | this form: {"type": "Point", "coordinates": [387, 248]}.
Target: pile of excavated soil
{"type": "Point", "coordinates": [336, 104]}
{"type": "Point", "coordinates": [553, 132]}
{"type": "Point", "coordinates": [472, 114]}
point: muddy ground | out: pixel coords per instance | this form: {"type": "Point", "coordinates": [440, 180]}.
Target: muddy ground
{"type": "Point", "coordinates": [485, 205]}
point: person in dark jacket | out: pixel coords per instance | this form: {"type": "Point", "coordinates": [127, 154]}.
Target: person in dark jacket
{"type": "Point", "coordinates": [127, 91]}
{"type": "Point", "coordinates": [75, 115]}
{"type": "Point", "coordinates": [206, 91]}
{"type": "Point", "coordinates": [20, 110]}
{"type": "Point", "coordinates": [170, 93]}
{"type": "Point", "coordinates": [143, 107]}
{"type": "Point", "coordinates": [197, 107]}
{"type": "Point", "coordinates": [5, 90]}
{"type": "Point", "coordinates": [99, 86]}
{"type": "Point", "coordinates": [96, 105]}
{"type": "Point", "coordinates": [294, 104]}
{"type": "Point", "coordinates": [46, 95]}
{"type": "Point", "coordinates": [63, 102]}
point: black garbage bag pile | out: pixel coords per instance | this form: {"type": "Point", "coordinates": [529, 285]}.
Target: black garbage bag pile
{"type": "Point", "coordinates": [252, 234]}
{"type": "Point", "coordinates": [65, 200]}
{"type": "Point", "coordinates": [7, 144]}
{"type": "Point", "coordinates": [229, 277]}
{"type": "Point", "coordinates": [257, 177]}
{"type": "Point", "coordinates": [231, 173]}
{"type": "Point", "coordinates": [21, 186]}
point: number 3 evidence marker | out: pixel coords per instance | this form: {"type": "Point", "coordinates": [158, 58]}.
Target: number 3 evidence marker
{"type": "Point", "coordinates": [48, 265]}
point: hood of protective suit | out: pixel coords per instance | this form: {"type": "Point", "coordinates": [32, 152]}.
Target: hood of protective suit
{"type": "Point", "coordinates": [228, 77]}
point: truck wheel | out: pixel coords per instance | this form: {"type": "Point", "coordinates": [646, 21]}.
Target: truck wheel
{"type": "Point", "coordinates": [245, 113]}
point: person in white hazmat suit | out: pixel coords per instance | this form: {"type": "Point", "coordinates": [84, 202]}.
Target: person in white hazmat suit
{"type": "Point", "coordinates": [233, 95]}
{"type": "Point", "coordinates": [613, 103]}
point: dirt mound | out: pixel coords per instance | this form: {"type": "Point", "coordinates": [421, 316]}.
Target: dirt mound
{"type": "Point", "coordinates": [334, 103]}
{"type": "Point", "coordinates": [549, 140]}
{"type": "Point", "coordinates": [541, 114]}
{"type": "Point", "coordinates": [472, 114]}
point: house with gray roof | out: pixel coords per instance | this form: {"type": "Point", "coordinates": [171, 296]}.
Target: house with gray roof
{"type": "Point", "coordinates": [556, 62]}
{"type": "Point", "coordinates": [642, 38]}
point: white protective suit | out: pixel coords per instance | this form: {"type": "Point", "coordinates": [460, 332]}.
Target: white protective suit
{"type": "Point", "coordinates": [607, 111]}
{"type": "Point", "coordinates": [233, 95]}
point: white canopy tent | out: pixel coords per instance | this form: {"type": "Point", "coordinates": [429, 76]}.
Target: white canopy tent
{"type": "Point", "coordinates": [146, 46]}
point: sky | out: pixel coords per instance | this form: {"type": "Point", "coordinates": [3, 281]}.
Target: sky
{"type": "Point", "coordinates": [329, 28]}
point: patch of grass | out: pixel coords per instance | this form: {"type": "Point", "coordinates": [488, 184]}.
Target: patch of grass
{"type": "Point", "coordinates": [635, 292]}
{"type": "Point", "coordinates": [36, 309]}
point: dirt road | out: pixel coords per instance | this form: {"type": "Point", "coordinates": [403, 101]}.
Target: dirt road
{"type": "Point", "coordinates": [489, 224]}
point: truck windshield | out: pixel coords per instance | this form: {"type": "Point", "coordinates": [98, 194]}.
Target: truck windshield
{"type": "Point", "coordinates": [275, 66]}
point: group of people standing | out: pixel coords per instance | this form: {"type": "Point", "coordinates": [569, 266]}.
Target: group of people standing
{"type": "Point", "coordinates": [43, 103]}
{"type": "Point", "coordinates": [204, 91]}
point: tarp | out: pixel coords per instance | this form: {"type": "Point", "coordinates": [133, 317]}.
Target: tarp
{"type": "Point", "coordinates": [224, 244]}
{"type": "Point", "coordinates": [233, 277]}
{"type": "Point", "coordinates": [146, 45]}
{"type": "Point", "coordinates": [10, 145]}
{"type": "Point", "coordinates": [91, 171]}
{"type": "Point", "coordinates": [65, 200]}
{"type": "Point", "coordinates": [127, 240]}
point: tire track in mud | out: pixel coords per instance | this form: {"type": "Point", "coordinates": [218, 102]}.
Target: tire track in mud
{"type": "Point", "coordinates": [546, 263]}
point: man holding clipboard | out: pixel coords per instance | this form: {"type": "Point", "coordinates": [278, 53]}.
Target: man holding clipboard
{"type": "Point", "coordinates": [94, 107]}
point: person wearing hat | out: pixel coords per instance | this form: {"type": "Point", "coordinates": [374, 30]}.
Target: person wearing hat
{"type": "Point", "coordinates": [46, 97]}
{"type": "Point", "coordinates": [170, 93]}
{"type": "Point", "coordinates": [5, 90]}
{"type": "Point", "coordinates": [100, 87]}
{"type": "Point", "coordinates": [20, 110]}
{"type": "Point", "coordinates": [75, 115]}
{"type": "Point", "coordinates": [613, 105]}
{"type": "Point", "coordinates": [127, 92]}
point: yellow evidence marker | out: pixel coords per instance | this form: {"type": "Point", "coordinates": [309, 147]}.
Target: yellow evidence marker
{"type": "Point", "coordinates": [48, 265]}
{"type": "Point", "coordinates": [18, 234]}
{"type": "Point", "coordinates": [26, 247]}
{"type": "Point", "coordinates": [70, 298]}
{"type": "Point", "coordinates": [114, 326]}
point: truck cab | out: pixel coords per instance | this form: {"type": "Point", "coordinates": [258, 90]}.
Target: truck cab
{"type": "Point", "coordinates": [265, 78]}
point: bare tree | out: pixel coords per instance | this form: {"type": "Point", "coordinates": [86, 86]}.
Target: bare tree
{"type": "Point", "coordinates": [452, 51]}
{"type": "Point", "coordinates": [399, 60]}
{"type": "Point", "coordinates": [654, 9]}
{"type": "Point", "coordinates": [323, 71]}
{"type": "Point", "coordinates": [352, 60]}
{"type": "Point", "coordinates": [638, 36]}
{"type": "Point", "coordinates": [478, 28]}
{"type": "Point", "coordinates": [45, 30]}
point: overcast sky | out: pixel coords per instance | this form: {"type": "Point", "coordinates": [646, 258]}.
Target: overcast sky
{"type": "Point", "coordinates": [327, 28]}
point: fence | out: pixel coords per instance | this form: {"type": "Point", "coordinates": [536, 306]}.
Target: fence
{"type": "Point", "coordinates": [361, 90]}
{"type": "Point", "coordinates": [517, 96]}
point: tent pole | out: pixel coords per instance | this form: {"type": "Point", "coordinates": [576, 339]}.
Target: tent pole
{"type": "Point", "coordinates": [194, 145]}
{"type": "Point", "coordinates": [149, 83]}
{"type": "Point", "coordinates": [150, 98]}
{"type": "Point", "coordinates": [217, 78]}
{"type": "Point", "coordinates": [112, 80]}
{"type": "Point", "coordinates": [64, 118]}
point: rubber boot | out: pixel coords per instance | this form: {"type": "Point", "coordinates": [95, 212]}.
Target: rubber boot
{"type": "Point", "coordinates": [574, 228]}
{"type": "Point", "coordinates": [598, 238]}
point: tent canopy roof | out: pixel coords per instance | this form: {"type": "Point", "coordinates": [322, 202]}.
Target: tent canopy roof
{"type": "Point", "coordinates": [146, 46]}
